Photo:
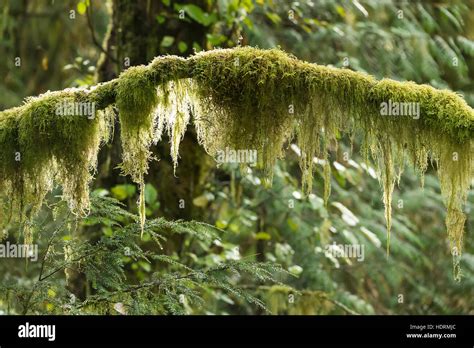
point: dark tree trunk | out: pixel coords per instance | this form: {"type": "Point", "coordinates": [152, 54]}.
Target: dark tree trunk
{"type": "Point", "coordinates": [134, 37]}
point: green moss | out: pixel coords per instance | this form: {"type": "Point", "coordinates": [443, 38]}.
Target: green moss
{"type": "Point", "coordinates": [136, 100]}
{"type": "Point", "coordinates": [40, 147]}
{"type": "Point", "coordinates": [10, 182]}
{"type": "Point", "coordinates": [442, 110]}
{"type": "Point", "coordinates": [174, 113]}
{"type": "Point", "coordinates": [104, 94]}
{"type": "Point", "coordinates": [171, 74]}
{"type": "Point", "coordinates": [245, 97]}
{"type": "Point", "coordinates": [143, 113]}
{"type": "Point", "coordinates": [242, 99]}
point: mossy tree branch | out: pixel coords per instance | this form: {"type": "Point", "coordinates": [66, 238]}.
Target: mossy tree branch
{"type": "Point", "coordinates": [241, 98]}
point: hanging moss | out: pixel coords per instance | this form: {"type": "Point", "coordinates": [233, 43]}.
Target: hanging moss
{"type": "Point", "coordinates": [40, 147]}
{"type": "Point", "coordinates": [174, 114]}
{"type": "Point", "coordinates": [250, 98]}
{"type": "Point", "coordinates": [242, 99]}
{"type": "Point", "coordinates": [136, 100]}
{"type": "Point", "coordinates": [143, 113]}
{"type": "Point", "coordinates": [11, 182]}
{"type": "Point", "coordinates": [247, 101]}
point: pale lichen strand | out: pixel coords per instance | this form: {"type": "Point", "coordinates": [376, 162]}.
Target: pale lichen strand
{"type": "Point", "coordinates": [246, 98]}
{"type": "Point", "coordinates": [174, 113]}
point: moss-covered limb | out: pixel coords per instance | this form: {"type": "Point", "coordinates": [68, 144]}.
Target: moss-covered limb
{"type": "Point", "coordinates": [260, 99]}
{"type": "Point", "coordinates": [242, 99]}
{"type": "Point", "coordinates": [104, 94]}
{"type": "Point", "coordinates": [440, 109]}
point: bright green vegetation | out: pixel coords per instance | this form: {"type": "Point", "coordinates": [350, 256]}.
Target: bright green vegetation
{"type": "Point", "coordinates": [242, 98]}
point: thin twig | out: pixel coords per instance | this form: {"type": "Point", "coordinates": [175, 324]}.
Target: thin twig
{"type": "Point", "coordinates": [50, 242]}
{"type": "Point", "coordinates": [65, 264]}
{"type": "Point", "coordinates": [94, 39]}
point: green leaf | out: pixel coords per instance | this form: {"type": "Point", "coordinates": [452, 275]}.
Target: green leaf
{"type": "Point", "coordinates": [202, 200]}
{"type": "Point", "coordinates": [182, 46]}
{"type": "Point", "coordinates": [151, 195]}
{"type": "Point", "coordinates": [315, 201]}
{"type": "Point", "coordinates": [292, 224]}
{"type": "Point", "coordinates": [145, 266]}
{"type": "Point", "coordinates": [197, 47]}
{"type": "Point", "coordinates": [160, 19]}
{"type": "Point", "coordinates": [122, 192]}
{"type": "Point", "coordinates": [100, 192]}
{"type": "Point", "coordinates": [221, 224]}
{"type": "Point", "coordinates": [263, 236]}
{"type": "Point", "coordinates": [81, 8]}
{"type": "Point", "coordinates": [248, 22]}
{"type": "Point", "coordinates": [371, 236]}
{"type": "Point", "coordinates": [216, 40]}
{"type": "Point", "coordinates": [340, 10]}
{"type": "Point", "coordinates": [275, 18]}
{"type": "Point", "coordinates": [295, 270]}
{"type": "Point", "coordinates": [347, 215]}
{"type": "Point", "coordinates": [451, 18]}
{"type": "Point", "coordinates": [198, 15]}
{"type": "Point", "coordinates": [167, 41]}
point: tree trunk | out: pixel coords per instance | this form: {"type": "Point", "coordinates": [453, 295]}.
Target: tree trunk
{"type": "Point", "coordinates": [134, 37]}
{"type": "Point", "coordinates": [136, 34]}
